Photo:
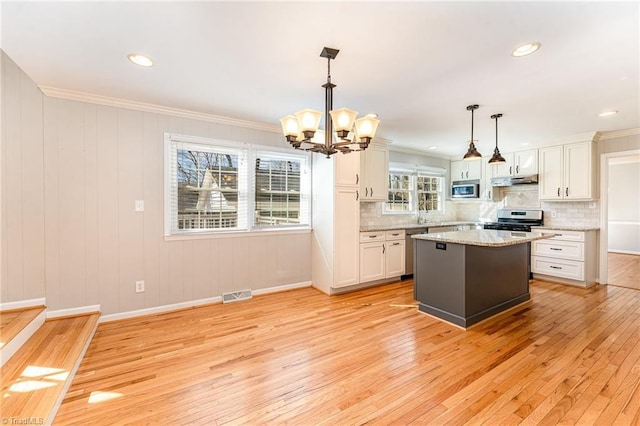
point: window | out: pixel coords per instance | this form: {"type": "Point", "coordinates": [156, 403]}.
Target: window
{"type": "Point", "coordinates": [399, 199]}
{"type": "Point", "coordinates": [219, 186]}
{"type": "Point", "coordinates": [411, 191]}
{"type": "Point", "coordinates": [429, 192]}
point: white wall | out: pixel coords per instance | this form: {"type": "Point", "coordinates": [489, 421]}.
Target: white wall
{"type": "Point", "coordinates": [71, 173]}
{"type": "Point", "coordinates": [22, 265]}
{"type": "Point", "coordinates": [624, 205]}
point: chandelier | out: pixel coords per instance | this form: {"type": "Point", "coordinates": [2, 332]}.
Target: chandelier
{"type": "Point", "coordinates": [352, 134]}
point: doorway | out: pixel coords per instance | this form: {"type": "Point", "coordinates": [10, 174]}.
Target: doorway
{"type": "Point", "coordinates": [620, 219]}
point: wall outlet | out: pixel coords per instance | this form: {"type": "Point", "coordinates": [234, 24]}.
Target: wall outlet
{"type": "Point", "coordinates": [554, 214]}
{"type": "Point", "coordinates": [139, 286]}
{"type": "Point", "coordinates": [592, 205]}
{"type": "Point", "coordinates": [139, 205]}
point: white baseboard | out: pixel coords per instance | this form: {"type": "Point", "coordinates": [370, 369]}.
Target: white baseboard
{"type": "Point", "coordinates": [280, 288]}
{"type": "Point", "coordinates": [193, 303]}
{"type": "Point", "coordinates": [21, 304]}
{"type": "Point", "coordinates": [21, 338]}
{"type": "Point", "coordinates": [623, 251]}
{"type": "Point", "coordinates": [91, 309]}
{"type": "Point", "coordinates": [159, 309]}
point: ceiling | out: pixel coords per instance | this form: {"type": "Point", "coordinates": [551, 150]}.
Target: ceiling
{"type": "Point", "coordinates": [417, 64]}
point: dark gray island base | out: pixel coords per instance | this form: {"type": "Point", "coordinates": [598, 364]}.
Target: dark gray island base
{"type": "Point", "coordinates": [465, 277]}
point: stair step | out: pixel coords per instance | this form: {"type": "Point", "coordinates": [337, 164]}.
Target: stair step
{"type": "Point", "coordinates": [35, 380]}
{"type": "Point", "coordinates": [16, 327]}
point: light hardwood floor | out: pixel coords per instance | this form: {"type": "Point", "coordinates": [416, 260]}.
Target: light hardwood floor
{"type": "Point", "coordinates": [624, 270]}
{"type": "Point", "coordinates": [569, 356]}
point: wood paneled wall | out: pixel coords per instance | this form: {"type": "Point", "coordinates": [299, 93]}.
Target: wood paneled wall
{"type": "Point", "coordinates": [22, 264]}
{"type": "Point", "coordinates": [71, 173]}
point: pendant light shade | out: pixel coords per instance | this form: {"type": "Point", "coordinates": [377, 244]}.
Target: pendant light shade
{"type": "Point", "coordinates": [472, 152]}
{"type": "Point", "coordinates": [496, 158]}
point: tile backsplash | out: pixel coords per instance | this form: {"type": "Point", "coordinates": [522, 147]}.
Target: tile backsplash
{"type": "Point", "coordinates": [584, 213]}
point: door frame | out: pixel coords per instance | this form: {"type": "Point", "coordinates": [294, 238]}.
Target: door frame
{"type": "Point", "coordinates": [604, 211]}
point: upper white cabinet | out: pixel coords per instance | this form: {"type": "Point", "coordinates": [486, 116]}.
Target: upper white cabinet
{"type": "Point", "coordinates": [347, 168]}
{"type": "Point", "coordinates": [374, 170]}
{"type": "Point", "coordinates": [519, 163]}
{"type": "Point", "coordinates": [567, 172]}
{"type": "Point", "coordinates": [466, 170]}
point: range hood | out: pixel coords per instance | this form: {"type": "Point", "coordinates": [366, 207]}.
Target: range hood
{"type": "Point", "coordinates": [514, 180]}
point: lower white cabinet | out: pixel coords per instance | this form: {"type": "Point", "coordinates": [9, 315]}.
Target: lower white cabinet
{"type": "Point", "coordinates": [569, 257]}
{"type": "Point", "coordinates": [382, 255]}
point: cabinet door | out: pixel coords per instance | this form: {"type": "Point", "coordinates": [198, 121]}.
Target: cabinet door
{"type": "Point", "coordinates": [347, 236]}
{"type": "Point", "coordinates": [474, 169]}
{"type": "Point", "coordinates": [347, 168]}
{"type": "Point", "coordinates": [394, 258]}
{"type": "Point", "coordinates": [374, 170]}
{"type": "Point", "coordinates": [550, 174]}
{"type": "Point", "coordinates": [577, 171]}
{"type": "Point", "coordinates": [372, 261]}
{"type": "Point", "coordinates": [526, 162]}
{"type": "Point", "coordinates": [502, 169]}
{"type": "Point", "coordinates": [458, 169]}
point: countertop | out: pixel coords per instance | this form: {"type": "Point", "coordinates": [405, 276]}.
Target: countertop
{"type": "Point", "coordinates": [414, 226]}
{"type": "Point", "coordinates": [483, 237]}
{"type": "Point", "coordinates": [567, 228]}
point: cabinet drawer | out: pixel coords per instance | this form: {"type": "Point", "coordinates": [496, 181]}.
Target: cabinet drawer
{"type": "Point", "coordinates": [558, 268]}
{"type": "Point", "coordinates": [562, 235]}
{"type": "Point", "coordinates": [397, 234]}
{"type": "Point", "coordinates": [366, 237]}
{"type": "Point", "coordinates": [558, 249]}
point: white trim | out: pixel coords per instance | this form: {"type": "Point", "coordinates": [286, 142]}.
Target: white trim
{"type": "Point", "coordinates": [12, 346]}
{"type": "Point", "coordinates": [200, 235]}
{"type": "Point", "coordinates": [280, 288]}
{"type": "Point", "coordinates": [82, 310]}
{"type": "Point", "coordinates": [194, 303]}
{"type": "Point", "coordinates": [619, 134]}
{"type": "Point", "coordinates": [70, 376]}
{"type": "Point", "coordinates": [603, 264]}
{"type": "Point", "coordinates": [20, 304]}
{"type": "Point", "coordinates": [159, 309]}
{"type": "Point", "coordinates": [403, 150]}
{"type": "Point", "coordinates": [73, 95]}
{"type": "Point", "coordinates": [624, 251]}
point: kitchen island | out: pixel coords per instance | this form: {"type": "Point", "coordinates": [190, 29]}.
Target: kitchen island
{"type": "Point", "coordinates": [464, 277]}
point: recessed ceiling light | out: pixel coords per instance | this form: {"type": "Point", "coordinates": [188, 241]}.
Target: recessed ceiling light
{"type": "Point", "coordinates": [433, 147]}
{"type": "Point", "coordinates": [526, 49]}
{"type": "Point", "coordinates": [524, 143]}
{"type": "Point", "coordinates": [139, 59]}
{"type": "Point", "coordinates": [373, 115]}
{"type": "Point", "coordinates": [608, 113]}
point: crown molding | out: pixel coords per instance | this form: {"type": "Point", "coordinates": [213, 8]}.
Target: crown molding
{"type": "Point", "coordinates": [619, 134]}
{"type": "Point", "coordinates": [410, 151]}
{"type": "Point", "coordinates": [73, 95]}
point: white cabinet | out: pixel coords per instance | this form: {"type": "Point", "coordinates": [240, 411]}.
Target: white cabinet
{"type": "Point", "coordinates": [382, 255]}
{"type": "Point", "coordinates": [374, 169]}
{"type": "Point", "coordinates": [347, 226]}
{"type": "Point", "coordinates": [569, 257]}
{"type": "Point", "coordinates": [567, 172]}
{"type": "Point", "coordinates": [519, 163]}
{"type": "Point", "coordinates": [347, 168]}
{"type": "Point", "coordinates": [466, 170]}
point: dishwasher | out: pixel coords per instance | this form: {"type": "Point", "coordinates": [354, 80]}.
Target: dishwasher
{"type": "Point", "coordinates": [408, 246]}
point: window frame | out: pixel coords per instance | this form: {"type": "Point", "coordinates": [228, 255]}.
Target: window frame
{"type": "Point", "coordinates": [414, 174]}
{"type": "Point", "coordinates": [248, 154]}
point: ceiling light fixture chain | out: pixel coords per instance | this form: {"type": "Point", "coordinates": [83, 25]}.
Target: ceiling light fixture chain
{"type": "Point", "coordinates": [301, 127]}
{"type": "Point", "coordinates": [497, 158]}
{"type": "Point", "coordinates": [472, 152]}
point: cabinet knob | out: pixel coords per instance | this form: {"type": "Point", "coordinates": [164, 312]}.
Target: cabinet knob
{"type": "Point", "coordinates": [558, 192]}
{"type": "Point", "coordinates": [371, 191]}
{"type": "Point", "coordinates": [357, 179]}
{"type": "Point", "coordinates": [517, 169]}
{"type": "Point", "coordinates": [566, 192]}
{"type": "Point", "coordinates": [357, 195]}
{"type": "Point", "coordinates": [383, 249]}
{"type": "Point", "coordinates": [554, 248]}
{"type": "Point", "coordinates": [510, 170]}
{"type": "Point", "coordinates": [366, 191]}
{"type": "Point", "coordinates": [396, 244]}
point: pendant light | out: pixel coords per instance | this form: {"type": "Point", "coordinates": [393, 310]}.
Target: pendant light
{"type": "Point", "coordinates": [496, 158]}
{"type": "Point", "coordinates": [472, 152]}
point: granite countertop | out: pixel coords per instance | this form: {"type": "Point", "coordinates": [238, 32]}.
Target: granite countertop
{"type": "Point", "coordinates": [483, 237]}
{"type": "Point", "coordinates": [414, 225]}
{"type": "Point", "coordinates": [567, 228]}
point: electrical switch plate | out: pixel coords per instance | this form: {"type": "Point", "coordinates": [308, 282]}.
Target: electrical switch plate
{"type": "Point", "coordinates": [139, 286]}
{"type": "Point", "coordinates": [139, 205]}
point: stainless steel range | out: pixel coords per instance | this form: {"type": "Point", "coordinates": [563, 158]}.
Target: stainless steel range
{"type": "Point", "coordinates": [516, 220]}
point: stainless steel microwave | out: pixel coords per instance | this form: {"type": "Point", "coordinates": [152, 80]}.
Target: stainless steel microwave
{"type": "Point", "coordinates": [465, 189]}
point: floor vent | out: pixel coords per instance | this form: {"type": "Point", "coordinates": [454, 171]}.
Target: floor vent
{"type": "Point", "coordinates": [236, 296]}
